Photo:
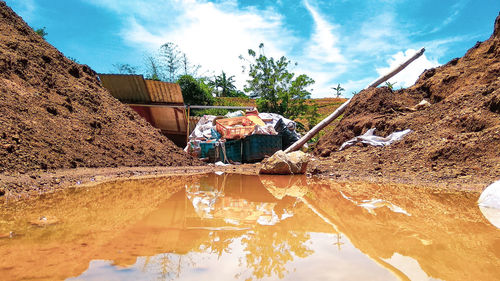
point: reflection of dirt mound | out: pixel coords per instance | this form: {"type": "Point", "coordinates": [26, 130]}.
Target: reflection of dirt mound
{"type": "Point", "coordinates": [457, 136]}
{"type": "Point", "coordinates": [55, 114]}
{"type": "Point", "coordinates": [445, 232]}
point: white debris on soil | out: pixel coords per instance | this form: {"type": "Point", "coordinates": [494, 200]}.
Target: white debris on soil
{"type": "Point", "coordinates": [371, 139]}
{"type": "Point", "coordinates": [489, 203]}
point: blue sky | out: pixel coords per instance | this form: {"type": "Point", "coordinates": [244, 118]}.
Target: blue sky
{"type": "Point", "coordinates": [350, 42]}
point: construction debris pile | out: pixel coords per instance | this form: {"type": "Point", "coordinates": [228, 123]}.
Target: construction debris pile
{"type": "Point", "coordinates": [56, 114]}
{"type": "Point", "coordinates": [455, 132]}
{"type": "Point", "coordinates": [241, 137]}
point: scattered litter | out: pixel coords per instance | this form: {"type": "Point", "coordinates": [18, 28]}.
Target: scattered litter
{"type": "Point", "coordinates": [420, 105]}
{"type": "Point", "coordinates": [490, 197]}
{"type": "Point", "coordinates": [234, 114]}
{"type": "Point", "coordinates": [288, 133]}
{"type": "Point", "coordinates": [219, 173]}
{"type": "Point", "coordinates": [264, 130]}
{"type": "Point", "coordinates": [371, 139]}
{"type": "Point", "coordinates": [273, 118]}
{"type": "Point", "coordinates": [220, 163]}
{"type": "Point", "coordinates": [489, 203]}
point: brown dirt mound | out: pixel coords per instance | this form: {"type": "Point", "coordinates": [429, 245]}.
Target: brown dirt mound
{"type": "Point", "coordinates": [56, 114]}
{"type": "Point", "coordinates": [458, 136]}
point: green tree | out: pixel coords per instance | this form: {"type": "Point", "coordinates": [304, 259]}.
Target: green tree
{"type": "Point", "coordinates": [338, 91]}
{"type": "Point", "coordinates": [188, 67]}
{"type": "Point", "coordinates": [153, 69]}
{"type": "Point", "coordinates": [237, 94]}
{"type": "Point", "coordinates": [170, 54]}
{"type": "Point", "coordinates": [195, 92]}
{"type": "Point", "coordinates": [225, 83]}
{"type": "Point", "coordinates": [277, 89]}
{"type": "Point", "coordinates": [125, 68]}
{"type": "Point", "coordinates": [42, 32]}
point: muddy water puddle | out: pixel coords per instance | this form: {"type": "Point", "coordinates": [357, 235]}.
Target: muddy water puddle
{"type": "Point", "coordinates": [227, 227]}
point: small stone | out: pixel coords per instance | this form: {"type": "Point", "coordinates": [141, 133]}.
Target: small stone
{"type": "Point", "coordinates": [45, 220]}
{"type": "Point", "coordinates": [9, 147]}
{"type": "Point", "coordinates": [326, 152]}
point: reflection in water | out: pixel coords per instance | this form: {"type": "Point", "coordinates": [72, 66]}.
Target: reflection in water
{"type": "Point", "coordinates": [226, 227]}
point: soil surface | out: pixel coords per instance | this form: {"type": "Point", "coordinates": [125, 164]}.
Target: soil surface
{"type": "Point", "coordinates": [455, 140]}
{"type": "Point", "coordinates": [56, 114]}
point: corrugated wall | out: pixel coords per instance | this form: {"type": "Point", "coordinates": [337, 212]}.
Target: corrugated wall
{"type": "Point", "coordinates": [126, 88]}
{"type": "Point", "coordinates": [151, 99]}
{"type": "Point", "coordinates": [164, 92]}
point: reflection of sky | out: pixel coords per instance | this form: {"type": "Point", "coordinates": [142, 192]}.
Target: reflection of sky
{"type": "Point", "coordinates": [327, 262]}
{"type": "Point", "coordinates": [409, 267]}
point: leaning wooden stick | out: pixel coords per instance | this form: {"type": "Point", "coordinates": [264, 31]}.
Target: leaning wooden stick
{"type": "Point", "coordinates": [298, 144]}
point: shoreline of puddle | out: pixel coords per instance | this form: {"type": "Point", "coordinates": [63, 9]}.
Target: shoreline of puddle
{"type": "Point", "coordinates": [382, 225]}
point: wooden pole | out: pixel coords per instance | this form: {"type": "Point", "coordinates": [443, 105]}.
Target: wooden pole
{"type": "Point", "coordinates": [298, 144]}
{"type": "Point", "coordinates": [187, 128]}
{"type": "Point", "coordinates": [396, 70]}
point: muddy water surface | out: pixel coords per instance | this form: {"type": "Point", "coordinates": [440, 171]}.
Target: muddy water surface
{"type": "Point", "coordinates": [231, 227]}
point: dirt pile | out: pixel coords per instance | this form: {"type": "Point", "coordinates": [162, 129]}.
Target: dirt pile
{"type": "Point", "coordinates": [56, 114]}
{"type": "Point", "coordinates": [456, 138]}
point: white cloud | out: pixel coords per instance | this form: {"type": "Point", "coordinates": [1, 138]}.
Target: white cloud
{"type": "Point", "coordinates": [408, 76]}
{"type": "Point", "coordinates": [215, 34]}
{"type": "Point", "coordinates": [379, 34]}
{"type": "Point", "coordinates": [324, 43]}
{"type": "Point", "coordinates": [211, 34]}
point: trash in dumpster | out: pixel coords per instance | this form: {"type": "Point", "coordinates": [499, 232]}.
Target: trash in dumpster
{"type": "Point", "coordinates": [234, 128]}
{"type": "Point", "coordinates": [216, 138]}
{"type": "Point", "coordinates": [287, 131]}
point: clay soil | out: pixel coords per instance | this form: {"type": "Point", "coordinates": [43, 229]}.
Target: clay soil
{"type": "Point", "coordinates": [455, 141]}
{"type": "Point", "coordinates": [55, 114]}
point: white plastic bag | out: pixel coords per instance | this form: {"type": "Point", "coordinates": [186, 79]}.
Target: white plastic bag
{"type": "Point", "coordinates": [489, 203]}
{"type": "Point", "coordinates": [371, 139]}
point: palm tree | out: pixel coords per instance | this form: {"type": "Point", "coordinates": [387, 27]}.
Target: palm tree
{"type": "Point", "coordinates": [338, 90]}
{"type": "Point", "coordinates": [225, 83]}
